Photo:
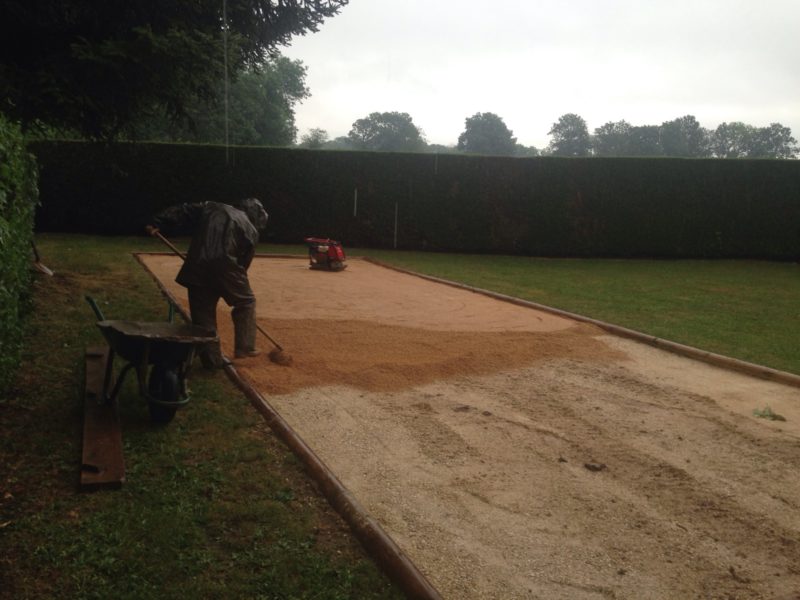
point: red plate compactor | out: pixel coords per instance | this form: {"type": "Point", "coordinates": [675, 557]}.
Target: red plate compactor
{"type": "Point", "coordinates": [325, 254]}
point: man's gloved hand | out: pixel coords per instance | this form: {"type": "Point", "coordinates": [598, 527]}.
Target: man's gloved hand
{"type": "Point", "coordinates": [151, 230]}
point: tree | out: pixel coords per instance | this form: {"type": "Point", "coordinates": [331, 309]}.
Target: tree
{"type": "Point", "coordinates": [260, 112]}
{"type": "Point", "coordinates": [486, 133]}
{"type": "Point", "coordinates": [645, 140]}
{"type": "Point", "coordinates": [612, 139]}
{"type": "Point", "coordinates": [262, 103]}
{"type": "Point", "coordinates": [775, 141]}
{"type": "Point", "coordinates": [731, 140]}
{"type": "Point", "coordinates": [740, 140]}
{"type": "Point", "coordinates": [526, 151]}
{"type": "Point", "coordinates": [387, 132]}
{"type": "Point", "coordinates": [97, 67]}
{"type": "Point", "coordinates": [341, 142]}
{"type": "Point", "coordinates": [315, 139]}
{"type": "Point", "coordinates": [440, 149]}
{"type": "Point", "coordinates": [684, 137]}
{"type": "Point", "coordinates": [570, 137]}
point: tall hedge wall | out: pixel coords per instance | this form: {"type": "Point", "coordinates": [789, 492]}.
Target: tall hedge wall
{"type": "Point", "coordinates": [18, 195]}
{"type": "Point", "coordinates": [624, 207]}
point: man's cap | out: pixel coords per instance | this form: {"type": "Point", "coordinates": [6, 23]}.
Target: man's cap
{"type": "Point", "coordinates": [254, 210]}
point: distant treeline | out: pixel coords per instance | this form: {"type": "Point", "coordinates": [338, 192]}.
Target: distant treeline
{"type": "Point", "coordinates": [486, 133]}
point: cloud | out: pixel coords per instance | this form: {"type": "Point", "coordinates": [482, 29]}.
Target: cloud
{"type": "Point", "coordinates": [530, 62]}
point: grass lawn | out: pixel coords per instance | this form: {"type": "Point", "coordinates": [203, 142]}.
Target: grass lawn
{"type": "Point", "coordinates": [214, 506]}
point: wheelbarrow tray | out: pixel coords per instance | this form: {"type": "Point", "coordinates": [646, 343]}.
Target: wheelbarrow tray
{"type": "Point", "coordinates": [160, 343]}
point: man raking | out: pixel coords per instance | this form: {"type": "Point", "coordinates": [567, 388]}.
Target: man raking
{"type": "Point", "coordinates": [223, 244]}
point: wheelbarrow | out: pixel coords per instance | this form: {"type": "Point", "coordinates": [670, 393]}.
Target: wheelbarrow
{"type": "Point", "coordinates": [161, 353]}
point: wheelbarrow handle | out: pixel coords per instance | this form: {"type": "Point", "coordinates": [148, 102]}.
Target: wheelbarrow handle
{"type": "Point", "coordinates": [95, 308]}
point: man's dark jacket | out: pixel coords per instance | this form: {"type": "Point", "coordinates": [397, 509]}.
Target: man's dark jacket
{"type": "Point", "coordinates": [223, 243]}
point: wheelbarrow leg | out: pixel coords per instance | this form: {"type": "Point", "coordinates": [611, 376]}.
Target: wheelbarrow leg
{"type": "Point", "coordinates": [141, 370]}
{"type": "Point", "coordinates": [118, 384]}
{"type": "Point", "coordinates": [183, 372]}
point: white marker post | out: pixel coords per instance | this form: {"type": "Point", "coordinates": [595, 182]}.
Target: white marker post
{"type": "Point", "coordinates": [395, 225]}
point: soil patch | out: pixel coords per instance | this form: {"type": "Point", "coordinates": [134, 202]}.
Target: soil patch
{"type": "Point", "coordinates": [377, 357]}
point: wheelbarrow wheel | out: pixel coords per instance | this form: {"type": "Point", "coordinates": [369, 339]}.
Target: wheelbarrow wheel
{"type": "Point", "coordinates": [164, 386]}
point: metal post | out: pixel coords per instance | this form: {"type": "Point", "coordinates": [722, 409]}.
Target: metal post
{"type": "Point", "coordinates": [225, 78]}
{"type": "Point", "coordinates": [395, 225]}
{"type": "Point", "coordinates": [355, 202]}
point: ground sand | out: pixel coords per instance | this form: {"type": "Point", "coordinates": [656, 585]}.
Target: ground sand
{"type": "Point", "coordinates": [515, 454]}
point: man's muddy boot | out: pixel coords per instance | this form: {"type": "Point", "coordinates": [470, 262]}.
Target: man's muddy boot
{"type": "Point", "coordinates": [244, 331]}
{"type": "Point", "coordinates": [203, 307]}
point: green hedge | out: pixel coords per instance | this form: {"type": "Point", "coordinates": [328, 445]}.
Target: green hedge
{"type": "Point", "coordinates": [547, 206]}
{"type": "Point", "coordinates": [18, 196]}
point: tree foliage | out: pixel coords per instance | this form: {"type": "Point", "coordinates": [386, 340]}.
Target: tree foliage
{"type": "Point", "coordinates": [526, 151]}
{"type": "Point", "coordinates": [775, 141]}
{"type": "Point", "coordinates": [613, 139]}
{"type": "Point", "coordinates": [486, 133]}
{"type": "Point", "coordinates": [341, 142]}
{"type": "Point", "coordinates": [441, 149]}
{"type": "Point", "coordinates": [645, 140]}
{"type": "Point", "coordinates": [260, 110]}
{"type": "Point", "coordinates": [315, 139]}
{"type": "Point", "coordinates": [97, 67]}
{"type": "Point", "coordinates": [387, 132]}
{"type": "Point", "coordinates": [739, 140]}
{"type": "Point", "coordinates": [684, 137]}
{"type": "Point", "coordinates": [570, 136]}
{"type": "Point", "coordinates": [731, 140]}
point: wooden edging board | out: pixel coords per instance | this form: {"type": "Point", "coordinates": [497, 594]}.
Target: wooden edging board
{"type": "Point", "coordinates": [102, 460]}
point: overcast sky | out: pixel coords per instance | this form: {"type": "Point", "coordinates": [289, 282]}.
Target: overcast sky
{"type": "Point", "coordinates": [644, 61]}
